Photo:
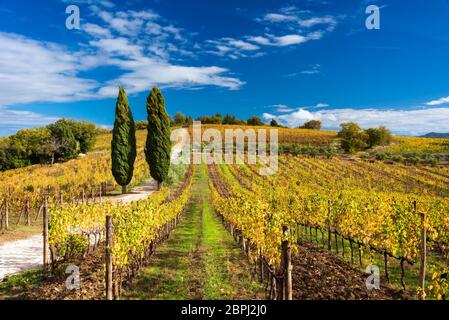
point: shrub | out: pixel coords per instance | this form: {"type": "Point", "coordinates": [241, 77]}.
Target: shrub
{"type": "Point", "coordinates": [312, 124]}
{"type": "Point", "coordinates": [378, 136]}
{"type": "Point", "coordinates": [255, 121]}
{"type": "Point", "coordinates": [141, 125]}
{"type": "Point", "coordinates": [353, 138]}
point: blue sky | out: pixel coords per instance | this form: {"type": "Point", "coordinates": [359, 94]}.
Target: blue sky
{"type": "Point", "coordinates": [290, 60]}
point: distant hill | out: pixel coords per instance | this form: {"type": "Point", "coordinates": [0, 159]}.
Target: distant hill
{"type": "Point", "coordinates": [436, 135]}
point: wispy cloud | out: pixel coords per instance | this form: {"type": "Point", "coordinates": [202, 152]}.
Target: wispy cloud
{"type": "Point", "coordinates": [406, 122]}
{"type": "Point", "coordinates": [144, 48]}
{"type": "Point", "coordinates": [282, 108]}
{"type": "Point", "coordinates": [313, 69]}
{"type": "Point", "coordinates": [320, 105]}
{"type": "Point", "coordinates": [438, 102]}
{"type": "Point", "coordinates": [298, 17]}
{"type": "Point", "coordinates": [280, 41]}
{"type": "Point", "coordinates": [232, 48]}
{"type": "Point", "coordinates": [35, 71]}
{"type": "Point", "coordinates": [288, 27]}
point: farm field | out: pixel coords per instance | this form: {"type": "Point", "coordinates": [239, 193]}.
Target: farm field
{"type": "Point", "coordinates": [218, 231]}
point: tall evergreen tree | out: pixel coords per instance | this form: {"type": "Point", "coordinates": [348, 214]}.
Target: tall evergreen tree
{"type": "Point", "coordinates": [158, 145]}
{"type": "Point", "coordinates": [123, 143]}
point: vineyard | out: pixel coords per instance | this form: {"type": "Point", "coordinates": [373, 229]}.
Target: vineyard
{"type": "Point", "coordinates": [370, 208]}
{"type": "Point", "coordinates": [346, 212]}
{"type": "Point", "coordinates": [83, 180]}
{"type": "Point", "coordinates": [419, 145]}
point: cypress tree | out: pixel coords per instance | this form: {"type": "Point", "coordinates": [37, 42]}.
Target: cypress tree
{"type": "Point", "coordinates": [158, 145]}
{"type": "Point", "coordinates": [123, 143]}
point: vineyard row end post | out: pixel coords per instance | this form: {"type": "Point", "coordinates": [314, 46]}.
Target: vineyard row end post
{"type": "Point", "coordinates": [287, 264]}
{"type": "Point", "coordinates": [109, 266]}
{"type": "Point", "coordinates": [423, 254]}
{"type": "Point", "coordinates": [45, 235]}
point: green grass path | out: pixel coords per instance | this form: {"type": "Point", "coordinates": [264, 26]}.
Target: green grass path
{"type": "Point", "coordinates": [200, 260]}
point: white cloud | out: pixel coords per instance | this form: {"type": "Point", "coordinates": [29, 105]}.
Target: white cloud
{"type": "Point", "coordinates": [290, 25]}
{"type": "Point", "coordinates": [313, 69]}
{"type": "Point", "coordinates": [282, 108]}
{"type": "Point", "coordinates": [232, 48]}
{"type": "Point", "coordinates": [34, 71]}
{"type": "Point", "coordinates": [313, 21]}
{"type": "Point", "coordinates": [407, 122]}
{"type": "Point", "coordinates": [279, 41]}
{"type": "Point", "coordinates": [242, 45]}
{"type": "Point", "coordinates": [107, 4]}
{"type": "Point", "coordinates": [129, 23]}
{"type": "Point", "coordinates": [303, 22]}
{"type": "Point", "coordinates": [139, 79]}
{"type": "Point", "coordinates": [438, 102]}
{"type": "Point", "coordinates": [277, 17]}
{"type": "Point", "coordinates": [96, 30]}
{"type": "Point", "coordinates": [118, 46]}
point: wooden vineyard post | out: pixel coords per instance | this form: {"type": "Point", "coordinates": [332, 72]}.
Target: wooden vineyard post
{"type": "Point", "coordinates": [422, 269]}
{"type": "Point", "coordinates": [386, 267]}
{"type": "Point", "coordinates": [109, 243]}
{"type": "Point", "coordinates": [287, 265]}
{"type": "Point", "coordinates": [329, 237]}
{"type": "Point", "coordinates": [2, 215]}
{"type": "Point", "coordinates": [6, 215]}
{"type": "Point", "coordinates": [352, 251]}
{"type": "Point", "coordinates": [27, 212]}
{"type": "Point", "coordinates": [100, 193]}
{"type": "Point", "coordinates": [45, 235]}
{"type": "Point", "coordinates": [360, 256]}
{"type": "Point", "coordinates": [403, 274]}
{"type": "Point", "coordinates": [38, 213]}
{"type": "Point", "coordinates": [336, 242]}
{"type": "Point", "coordinates": [21, 213]}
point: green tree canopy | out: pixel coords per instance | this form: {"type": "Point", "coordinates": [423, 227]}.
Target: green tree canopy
{"type": "Point", "coordinates": [158, 144]}
{"type": "Point", "coordinates": [378, 136]}
{"type": "Point", "coordinates": [312, 124]}
{"type": "Point", "coordinates": [353, 138]}
{"type": "Point", "coordinates": [62, 131]}
{"type": "Point", "coordinates": [255, 121]}
{"type": "Point", "coordinates": [141, 125]}
{"type": "Point", "coordinates": [123, 145]}
{"type": "Point", "coordinates": [179, 119]}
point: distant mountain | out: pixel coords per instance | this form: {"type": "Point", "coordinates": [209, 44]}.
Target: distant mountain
{"type": "Point", "coordinates": [436, 135]}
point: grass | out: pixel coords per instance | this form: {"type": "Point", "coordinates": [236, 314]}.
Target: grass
{"type": "Point", "coordinates": [18, 232]}
{"type": "Point", "coordinates": [199, 260]}
{"type": "Point", "coordinates": [12, 285]}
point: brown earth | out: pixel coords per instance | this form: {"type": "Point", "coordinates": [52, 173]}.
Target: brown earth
{"type": "Point", "coordinates": [321, 275]}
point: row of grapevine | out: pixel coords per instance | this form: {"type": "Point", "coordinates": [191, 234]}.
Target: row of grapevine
{"type": "Point", "coordinates": [78, 181]}
{"type": "Point", "coordinates": [139, 228]}
{"type": "Point", "coordinates": [387, 222]}
{"type": "Point", "coordinates": [75, 230]}
{"type": "Point", "coordinates": [262, 234]}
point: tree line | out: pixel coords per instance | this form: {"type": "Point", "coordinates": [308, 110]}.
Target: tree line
{"type": "Point", "coordinates": [57, 142]}
{"type": "Point", "coordinates": [179, 119]}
